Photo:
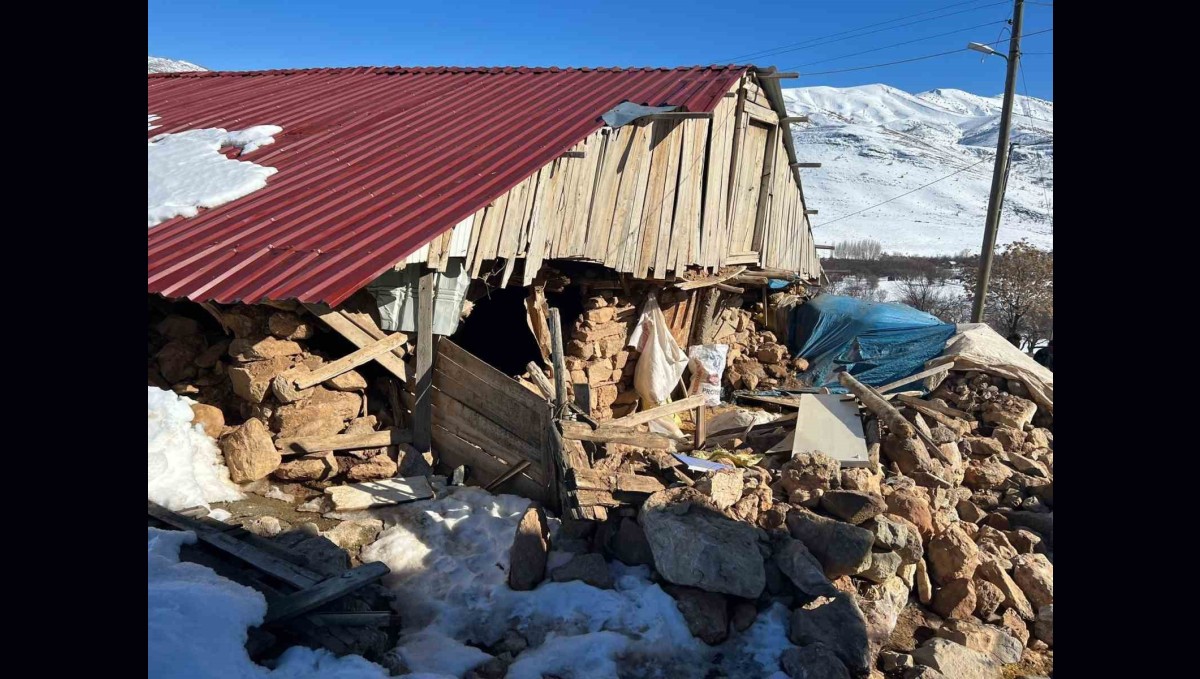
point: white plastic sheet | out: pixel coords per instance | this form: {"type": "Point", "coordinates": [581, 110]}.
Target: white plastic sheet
{"type": "Point", "coordinates": [977, 347]}
{"type": "Point", "coordinates": [707, 365]}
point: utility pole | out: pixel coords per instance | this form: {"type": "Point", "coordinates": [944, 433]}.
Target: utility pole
{"type": "Point", "coordinates": [1000, 170]}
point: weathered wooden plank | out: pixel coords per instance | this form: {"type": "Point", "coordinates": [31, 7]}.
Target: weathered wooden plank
{"type": "Point", "coordinates": [485, 373]}
{"type": "Point", "coordinates": [315, 444]}
{"type": "Point", "coordinates": [281, 569]}
{"type": "Point", "coordinates": [423, 379]}
{"type": "Point", "coordinates": [710, 280]}
{"type": "Point", "coordinates": [511, 414]}
{"type": "Point", "coordinates": [540, 379]}
{"type": "Point", "coordinates": [350, 361]}
{"type": "Point", "coordinates": [453, 450]}
{"type": "Point", "coordinates": [473, 426]}
{"type": "Point", "coordinates": [664, 410]}
{"type": "Point", "coordinates": [325, 591]}
{"type": "Point", "coordinates": [577, 431]}
{"type": "Point", "coordinates": [913, 378]}
{"type": "Point", "coordinates": [588, 479]}
{"type": "Point", "coordinates": [360, 338]}
{"type": "Point", "coordinates": [560, 365]}
{"type": "Point", "coordinates": [503, 478]}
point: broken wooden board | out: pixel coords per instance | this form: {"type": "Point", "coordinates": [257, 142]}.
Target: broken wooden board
{"type": "Point", "coordinates": [325, 591]}
{"type": "Point", "coordinates": [578, 431]}
{"type": "Point", "coordinates": [589, 479]}
{"type": "Point", "coordinates": [313, 444]}
{"type": "Point", "coordinates": [828, 423]}
{"type": "Point", "coordinates": [379, 493]}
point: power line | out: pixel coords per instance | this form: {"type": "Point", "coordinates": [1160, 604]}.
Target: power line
{"type": "Point", "coordinates": [1041, 176]}
{"type": "Point", "coordinates": [984, 160]}
{"type": "Point", "coordinates": [815, 42]}
{"type": "Point", "coordinates": [905, 61]}
{"type": "Point", "coordinates": [906, 42]}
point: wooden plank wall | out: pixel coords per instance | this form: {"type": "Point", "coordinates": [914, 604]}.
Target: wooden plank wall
{"type": "Point", "coordinates": [486, 420]}
{"type": "Point", "coordinates": [651, 199]}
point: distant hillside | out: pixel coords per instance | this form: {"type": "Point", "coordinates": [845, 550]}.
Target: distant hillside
{"type": "Point", "coordinates": [877, 142]}
{"type": "Point", "coordinates": [162, 65]}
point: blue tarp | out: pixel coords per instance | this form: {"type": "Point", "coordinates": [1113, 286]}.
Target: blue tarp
{"type": "Point", "coordinates": [877, 342]}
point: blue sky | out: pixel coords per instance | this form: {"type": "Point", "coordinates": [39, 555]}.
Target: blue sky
{"type": "Point", "coordinates": [819, 36]}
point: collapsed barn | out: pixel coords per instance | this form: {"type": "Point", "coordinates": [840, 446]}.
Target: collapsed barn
{"type": "Point", "coordinates": [480, 276]}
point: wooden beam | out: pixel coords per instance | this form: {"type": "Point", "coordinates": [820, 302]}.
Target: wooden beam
{"type": "Point", "coordinates": [804, 165]}
{"type": "Point", "coordinates": [325, 591]}
{"type": "Point", "coordinates": [700, 435]}
{"type": "Point", "coordinates": [878, 405]}
{"type": "Point", "coordinates": [517, 469]}
{"type": "Point", "coordinates": [572, 154]}
{"type": "Point", "coordinates": [315, 444]}
{"type": "Point", "coordinates": [945, 410]}
{"type": "Point", "coordinates": [793, 119]}
{"type": "Point", "coordinates": [560, 364]}
{"type": "Point", "coordinates": [423, 404]}
{"type": "Point", "coordinates": [682, 115]}
{"type": "Point", "coordinates": [913, 378]}
{"type": "Point", "coordinates": [360, 337]}
{"type": "Point", "coordinates": [350, 361]}
{"type": "Point", "coordinates": [711, 280]}
{"type": "Point", "coordinates": [729, 288]}
{"type": "Point", "coordinates": [822, 247]}
{"type": "Point", "coordinates": [654, 413]}
{"type": "Point", "coordinates": [541, 380]}
{"type": "Point", "coordinates": [578, 431]}
{"type": "Point", "coordinates": [779, 75]}
{"type": "Point", "coordinates": [810, 212]}
{"type": "Point", "coordinates": [589, 479]}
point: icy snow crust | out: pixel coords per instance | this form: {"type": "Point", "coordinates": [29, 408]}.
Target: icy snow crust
{"type": "Point", "coordinates": [876, 142]}
{"type": "Point", "coordinates": [184, 467]}
{"type": "Point", "coordinates": [186, 171]}
{"type": "Point", "coordinates": [449, 562]}
{"type": "Point", "coordinates": [197, 622]}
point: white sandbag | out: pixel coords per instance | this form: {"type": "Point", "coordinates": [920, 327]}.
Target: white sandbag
{"type": "Point", "coordinates": [707, 363]}
{"type": "Point", "coordinates": [661, 362]}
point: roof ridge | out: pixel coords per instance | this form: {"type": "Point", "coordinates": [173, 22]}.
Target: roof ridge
{"type": "Point", "coordinates": [450, 69]}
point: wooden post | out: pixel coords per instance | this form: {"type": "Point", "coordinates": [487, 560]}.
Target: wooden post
{"type": "Point", "coordinates": [423, 406]}
{"type": "Point", "coordinates": [560, 365]}
{"type": "Point", "coordinates": [701, 432]}
{"type": "Point", "coordinates": [877, 404]}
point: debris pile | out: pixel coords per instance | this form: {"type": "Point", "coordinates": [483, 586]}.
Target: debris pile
{"type": "Point", "coordinates": [251, 397]}
{"type": "Point", "coordinates": [936, 556]}
{"type": "Point", "coordinates": [597, 355]}
{"type": "Point", "coordinates": [757, 359]}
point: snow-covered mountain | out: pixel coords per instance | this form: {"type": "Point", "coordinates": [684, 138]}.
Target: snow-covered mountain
{"type": "Point", "coordinates": [163, 65]}
{"type": "Point", "coordinates": [876, 142]}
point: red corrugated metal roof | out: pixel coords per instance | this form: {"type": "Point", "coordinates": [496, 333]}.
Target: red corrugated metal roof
{"type": "Point", "coordinates": [375, 162]}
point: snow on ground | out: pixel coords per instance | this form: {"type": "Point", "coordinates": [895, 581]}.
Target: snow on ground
{"type": "Point", "coordinates": [197, 622]}
{"type": "Point", "coordinates": [449, 561]}
{"type": "Point", "coordinates": [184, 466]}
{"type": "Point", "coordinates": [186, 170]}
{"type": "Point", "coordinates": [876, 142]}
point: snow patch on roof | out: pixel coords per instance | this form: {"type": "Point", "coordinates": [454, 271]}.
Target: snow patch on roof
{"type": "Point", "coordinates": [186, 171]}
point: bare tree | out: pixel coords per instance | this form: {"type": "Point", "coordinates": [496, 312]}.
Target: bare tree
{"type": "Point", "coordinates": [934, 297]}
{"type": "Point", "coordinates": [863, 288]}
{"type": "Point", "coordinates": [858, 249]}
{"type": "Point", "coordinates": [1020, 297]}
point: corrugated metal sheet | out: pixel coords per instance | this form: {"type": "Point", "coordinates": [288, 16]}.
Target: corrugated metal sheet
{"type": "Point", "coordinates": [375, 162]}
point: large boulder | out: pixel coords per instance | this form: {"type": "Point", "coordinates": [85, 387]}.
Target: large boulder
{"type": "Point", "coordinates": [1014, 598]}
{"type": "Point", "coordinates": [957, 599]}
{"type": "Point", "coordinates": [249, 452]}
{"type": "Point", "coordinates": [955, 660]}
{"type": "Point", "coordinates": [841, 548]}
{"type": "Point", "coordinates": [807, 476]}
{"type": "Point", "coordinates": [312, 467]}
{"type": "Point", "coordinates": [252, 381]}
{"type": "Point", "coordinates": [531, 544]}
{"type": "Point", "coordinates": [629, 544]}
{"type": "Point", "coordinates": [853, 506]}
{"type": "Point", "coordinates": [881, 606]}
{"type": "Point", "coordinates": [1043, 625]}
{"type": "Point", "coordinates": [695, 545]}
{"type": "Point", "coordinates": [908, 505]}
{"type": "Point", "coordinates": [837, 622]}
{"type": "Point", "coordinates": [706, 613]}
{"type": "Point", "coordinates": [801, 567]}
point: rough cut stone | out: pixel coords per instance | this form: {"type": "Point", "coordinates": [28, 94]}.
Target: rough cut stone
{"type": "Point", "coordinates": [838, 623]}
{"type": "Point", "coordinates": [378, 467]}
{"type": "Point", "coordinates": [853, 506]}
{"type": "Point", "coordinates": [314, 467]}
{"type": "Point", "coordinates": [724, 487]}
{"type": "Point", "coordinates": [590, 568]}
{"type": "Point", "coordinates": [841, 548]}
{"type": "Point", "coordinates": [881, 606]}
{"type": "Point", "coordinates": [988, 598]}
{"type": "Point", "coordinates": [880, 567]}
{"type": "Point", "coordinates": [630, 545]}
{"type": "Point", "coordinates": [1034, 574]}
{"type": "Point", "coordinates": [956, 599]}
{"type": "Point", "coordinates": [351, 380]}
{"type": "Point", "coordinates": [249, 452]}
{"type": "Point", "coordinates": [354, 535]}
{"type": "Point", "coordinates": [815, 661]}
{"type": "Point", "coordinates": [289, 326]}
{"type": "Point", "coordinates": [1043, 625]}
{"type": "Point", "coordinates": [1014, 598]}
{"type": "Point", "coordinates": [210, 418]}
{"type": "Point", "coordinates": [527, 558]}
{"type": "Point", "coordinates": [802, 568]}
{"type": "Point", "coordinates": [952, 555]}
{"type": "Point", "coordinates": [695, 545]}
{"type": "Point", "coordinates": [245, 351]}
{"type": "Point", "coordinates": [252, 381]}
{"type": "Point", "coordinates": [915, 509]}
{"type": "Point", "coordinates": [977, 636]}
{"type": "Point", "coordinates": [955, 660]}
{"type": "Point", "coordinates": [706, 613]}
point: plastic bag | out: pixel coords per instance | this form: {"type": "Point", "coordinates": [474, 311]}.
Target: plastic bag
{"type": "Point", "coordinates": [661, 362]}
{"type": "Point", "coordinates": [707, 365]}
